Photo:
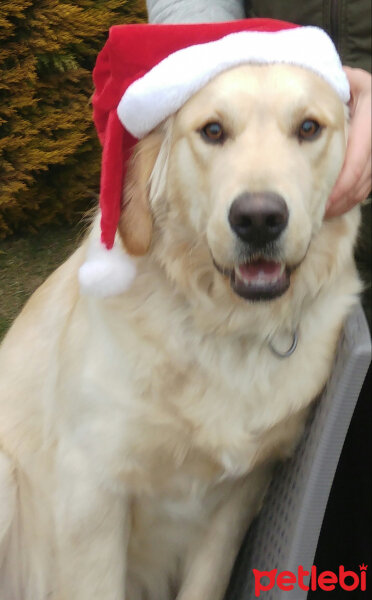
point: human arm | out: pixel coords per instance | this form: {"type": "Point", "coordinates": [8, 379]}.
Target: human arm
{"type": "Point", "coordinates": [194, 11]}
{"type": "Point", "coordinates": [354, 182]}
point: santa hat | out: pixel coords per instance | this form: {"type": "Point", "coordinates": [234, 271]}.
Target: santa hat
{"type": "Point", "coordinates": [145, 73]}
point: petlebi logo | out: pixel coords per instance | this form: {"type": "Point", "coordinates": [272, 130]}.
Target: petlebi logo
{"type": "Point", "coordinates": [313, 580]}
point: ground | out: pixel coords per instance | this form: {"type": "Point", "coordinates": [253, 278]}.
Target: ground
{"type": "Point", "coordinates": [25, 262]}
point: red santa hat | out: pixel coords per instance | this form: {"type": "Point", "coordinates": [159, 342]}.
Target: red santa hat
{"type": "Point", "coordinates": [145, 73]}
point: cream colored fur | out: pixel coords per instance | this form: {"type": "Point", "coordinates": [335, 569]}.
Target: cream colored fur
{"type": "Point", "coordinates": [137, 433]}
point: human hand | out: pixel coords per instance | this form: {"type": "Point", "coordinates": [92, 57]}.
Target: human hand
{"type": "Point", "coordinates": [354, 182]}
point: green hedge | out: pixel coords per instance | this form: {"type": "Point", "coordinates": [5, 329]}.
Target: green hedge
{"type": "Point", "coordinates": [49, 153]}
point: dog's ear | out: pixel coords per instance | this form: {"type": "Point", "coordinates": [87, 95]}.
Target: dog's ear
{"type": "Point", "coordinates": [135, 225]}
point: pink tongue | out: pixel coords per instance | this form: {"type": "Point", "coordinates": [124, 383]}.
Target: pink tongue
{"type": "Point", "coordinates": [269, 269]}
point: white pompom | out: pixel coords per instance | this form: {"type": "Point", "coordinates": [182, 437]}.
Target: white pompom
{"type": "Point", "coordinates": [106, 272]}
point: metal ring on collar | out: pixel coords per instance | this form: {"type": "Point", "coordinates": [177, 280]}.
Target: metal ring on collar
{"type": "Point", "coordinates": [290, 350]}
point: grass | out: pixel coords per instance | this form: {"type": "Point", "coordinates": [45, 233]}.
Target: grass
{"type": "Point", "coordinates": [25, 262]}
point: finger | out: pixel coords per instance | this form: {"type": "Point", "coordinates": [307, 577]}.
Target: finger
{"type": "Point", "coordinates": [363, 188]}
{"type": "Point", "coordinates": [359, 143]}
{"type": "Point", "coordinates": [358, 194]}
{"type": "Point", "coordinates": [357, 164]}
{"type": "Point", "coordinates": [359, 80]}
{"type": "Point", "coordinates": [347, 202]}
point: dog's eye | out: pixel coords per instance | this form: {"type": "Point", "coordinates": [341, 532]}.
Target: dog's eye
{"type": "Point", "coordinates": [213, 132]}
{"type": "Point", "coordinates": [309, 130]}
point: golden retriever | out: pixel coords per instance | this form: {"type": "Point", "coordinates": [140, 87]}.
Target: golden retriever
{"type": "Point", "coordinates": [138, 432]}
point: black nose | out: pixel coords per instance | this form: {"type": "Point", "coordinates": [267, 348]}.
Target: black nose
{"type": "Point", "coordinates": [258, 217]}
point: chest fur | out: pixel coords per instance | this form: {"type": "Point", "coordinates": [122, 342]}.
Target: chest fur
{"type": "Point", "coordinates": [183, 413]}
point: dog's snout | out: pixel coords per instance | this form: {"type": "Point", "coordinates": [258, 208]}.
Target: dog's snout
{"type": "Point", "coordinates": [258, 217]}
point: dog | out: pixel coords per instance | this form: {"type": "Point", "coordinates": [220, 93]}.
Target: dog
{"type": "Point", "coordinates": [138, 433]}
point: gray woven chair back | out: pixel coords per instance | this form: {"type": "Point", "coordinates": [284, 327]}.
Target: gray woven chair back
{"type": "Point", "coordinates": [285, 535]}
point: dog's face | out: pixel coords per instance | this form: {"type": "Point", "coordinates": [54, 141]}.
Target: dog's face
{"type": "Point", "coordinates": [241, 178]}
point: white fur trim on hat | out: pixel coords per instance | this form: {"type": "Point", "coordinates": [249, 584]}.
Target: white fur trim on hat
{"type": "Point", "coordinates": [168, 85]}
{"type": "Point", "coordinates": [106, 272]}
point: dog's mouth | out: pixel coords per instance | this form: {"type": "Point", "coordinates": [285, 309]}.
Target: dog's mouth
{"type": "Point", "coordinates": [259, 279]}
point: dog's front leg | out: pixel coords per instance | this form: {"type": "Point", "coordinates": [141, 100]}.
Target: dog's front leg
{"type": "Point", "coordinates": [92, 530]}
{"type": "Point", "coordinates": [208, 571]}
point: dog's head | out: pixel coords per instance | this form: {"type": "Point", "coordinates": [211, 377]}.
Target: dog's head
{"type": "Point", "coordinates": [232, 189]}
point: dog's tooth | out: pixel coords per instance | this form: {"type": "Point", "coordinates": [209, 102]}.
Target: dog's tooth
{"type": "Point", "coordinates": [261, 279]}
